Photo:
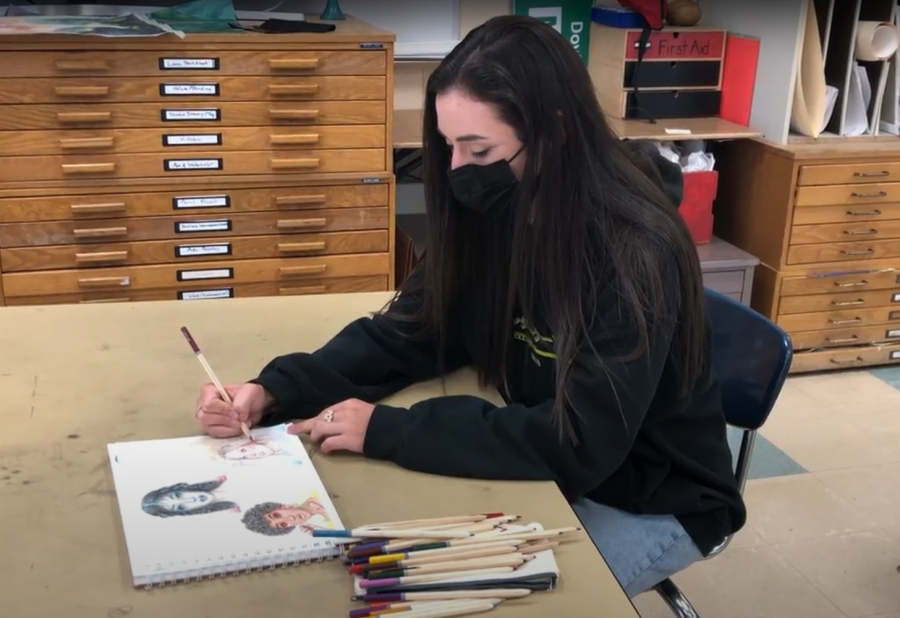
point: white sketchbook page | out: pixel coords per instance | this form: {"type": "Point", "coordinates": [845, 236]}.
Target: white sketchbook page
{"type": "Point", "coordinates": [227, 479]}
{"type": "Point", "coordinates": [544, 562]}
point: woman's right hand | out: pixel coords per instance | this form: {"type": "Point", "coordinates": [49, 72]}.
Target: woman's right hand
{"type": "Point", "coordinates": [223, 420]}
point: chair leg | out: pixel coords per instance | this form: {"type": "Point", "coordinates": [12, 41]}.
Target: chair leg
{"type": "Point", "coordinates": [676, 600]}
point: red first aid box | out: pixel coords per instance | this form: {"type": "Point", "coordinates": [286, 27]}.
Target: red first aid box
{"type": "Point", "coordinates": [697, 205]}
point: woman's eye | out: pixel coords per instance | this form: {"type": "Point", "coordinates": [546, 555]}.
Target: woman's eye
{"type": "Point", "coordinates": [480, 153]}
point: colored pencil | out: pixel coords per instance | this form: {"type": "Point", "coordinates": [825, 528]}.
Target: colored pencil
{"type": "Point", "coordinates": [537, 547]}
{"type": "Point", "coordinates": [393, 534]}
{"type": "Point", "coordinates": [440, 555]}
{"type": "Point", "coordinates": [515, 560]}
{"type": "Point", "coordinates": [433, 521]}
{"type": "Point", "coordinates": [386, 608]}
{"type": "Point", "coordinates": [212, 374]}
{"type": "Point", "coordinates": [442, 595]}
{"type": "Point", "coordinates": [415, 579]}
{"type": "Point", "coordinates": [448, 609]}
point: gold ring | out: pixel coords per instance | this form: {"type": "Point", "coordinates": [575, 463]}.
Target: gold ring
{"type": "Point", "coordinates": [329, 416]}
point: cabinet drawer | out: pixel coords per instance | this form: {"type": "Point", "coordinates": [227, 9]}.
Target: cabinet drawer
{"type": "Point", "coordinates": [843, 232]}
{"type": "Point", "coordinates": [174, 115]}
{"type": "Point", "coordinates": [174, 63]}
{"type": "Point", "coordinates": [840, 319]}
{"type": "Point", "coordinates": [206, 164]}
{"type": "Point", "coordinates": [855, 280]}
{"type": "Point", "coordinates": [174, 141]}
{"type": "Point", "coordinates": [812, 215]}
{"type": "Point", "coordinates": [843, 251]}
{"type": "Point", "coordinates": [342, 285]}
{"type": "Point", "coordinates": [839, 301]}
{"type": "Point", "coordinates": [291, 272]}
{"type": "Point", "coordinates": [177, 251]}
{"type": "Point", "coordinates": [849, 195]}
{"type": "Point", "coordinates": [847, 173]}
{"type": "Point", "coordinates": [845, 358]}
{"type": "Point", "coordinates": [188, 227]}
{"type": "Point", "coordinates": [175, 88]}
{"type": "Point", "coordinates": [842, 337]}
{"type": "Point", "coordinates": [209, 201]}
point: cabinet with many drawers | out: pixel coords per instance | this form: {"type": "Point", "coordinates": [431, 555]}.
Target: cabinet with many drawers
{"type": "Point", "coordinates": [824, 219]}
{"type": "Point", "coordinates": [204, 167]}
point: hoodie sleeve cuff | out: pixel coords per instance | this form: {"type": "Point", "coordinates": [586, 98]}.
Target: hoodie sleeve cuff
{"type": "Point", "coordinates": [285, 405]}
{"type": "Point", "coordinates": [384, 433]}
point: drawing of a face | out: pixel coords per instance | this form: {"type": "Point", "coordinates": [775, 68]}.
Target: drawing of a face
{"type": "Point", "coordinates": [249, 449]}
{"type": "Point", "coordinates": [186, 499]}
{"type": "Point", "coordinates": [274, 518]}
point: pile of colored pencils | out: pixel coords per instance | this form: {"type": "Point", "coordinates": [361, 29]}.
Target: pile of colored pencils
{"type": "Point", "coordinates": [423, 551]}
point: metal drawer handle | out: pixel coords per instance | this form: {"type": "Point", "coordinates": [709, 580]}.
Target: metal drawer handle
{"type": "Point", "coordinates": [300, 200]}
{"type": "Point", "coordinates": [301, 247]}
{"type": "Point", "coordinates": [86, 143]}
{"type": "Point", "coordinates": [850, 321]}
{"type": "Point", "coordinates": [100, 232]}
{"type": "Point", "coordinates": [296, 224]}
{"type": "Point", "coordinates": [851, 284]}
{"type": "Point", "coordinates": [293, 164]}
{"type": "Point", "coordinates": [102, 282]}
{"type": "Point", "coordinates": [302, 271]}
{"type": "Point", "coordinates": [82, 91]}
{"type": "Point", "coordinates": [101, 208]}
{"type": "Point", "coordinates": [287, 64]}
{"type": "Point", "coordinates": [81, 65]}
{"type": "Point", "coordinates": [101, 256]}
{"type": "Point", "coordinates": [307, 289]}
{"type": "Point", "coordinates": [294, 114]}
{"type": "Point", "coordinates": [862, 252]}
{"type": "Point", "coordinates": [869, 232]}
{"type": "Point", "coordinates": [280, 89]}
{"type": "Point", "coordinates": [88, 168]}
{"type": "Point", "coordinates": [83, 117]}
{"type": "Point", "coordinates": [871, 174]}
{"type": "Point", "coordinates": [848, 303]}
{"type": "Point", "coordinates": [845, 340]}
{"type": "Point", "coordinates": [855, 361]}
{"type": "Point", "coordinates": [864, 213]}
{"type": "Point", "coordinates": [292, 139]}
{"type": "Point", "coordinates": [876, 194]}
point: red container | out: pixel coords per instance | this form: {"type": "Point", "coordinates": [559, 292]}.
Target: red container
{"type": "Point", "coordinates": [697, 206]}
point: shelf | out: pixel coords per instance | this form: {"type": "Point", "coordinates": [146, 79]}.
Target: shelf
{"type": "Point", "coordinates": [408, 129]}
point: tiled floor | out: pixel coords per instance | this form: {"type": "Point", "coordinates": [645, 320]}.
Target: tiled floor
{"type": "Point", "coordinates": [823, 536]}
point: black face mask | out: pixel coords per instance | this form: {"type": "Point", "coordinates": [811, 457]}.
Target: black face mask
{"type": "Point", "coordinates": [485, 189]}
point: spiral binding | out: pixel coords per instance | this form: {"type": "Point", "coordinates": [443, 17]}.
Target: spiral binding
{"type": "Point", "coordinates": [319, 551]}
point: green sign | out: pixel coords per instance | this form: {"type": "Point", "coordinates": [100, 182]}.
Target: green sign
{"type": "Point", "coordinates": [571, 18]}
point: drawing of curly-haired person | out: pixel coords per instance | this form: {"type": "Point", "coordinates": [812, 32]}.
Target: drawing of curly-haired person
{"type": "Point", "coordinates": [182, 499]}
{"type": "Point", "coordinates": [276, 518]}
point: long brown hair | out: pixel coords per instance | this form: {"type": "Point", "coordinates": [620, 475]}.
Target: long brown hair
{"type": "Point", "coordinates": [587, 216]}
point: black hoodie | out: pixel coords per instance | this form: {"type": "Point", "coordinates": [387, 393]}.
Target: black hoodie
{"type": "Point", "coordinates": [642, 448]}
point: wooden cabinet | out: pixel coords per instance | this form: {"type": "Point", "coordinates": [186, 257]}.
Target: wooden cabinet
{"type": "Point", "coordinates": [825, 222]}
{"type": "Point", "coordinates": [211, 166]}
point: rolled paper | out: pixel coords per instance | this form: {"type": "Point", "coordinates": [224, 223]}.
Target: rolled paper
{"type": "Point", "coordinates": [876, 40]}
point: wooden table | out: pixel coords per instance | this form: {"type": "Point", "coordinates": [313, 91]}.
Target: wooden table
{"type": "Point", "coordinates": [76, 377]}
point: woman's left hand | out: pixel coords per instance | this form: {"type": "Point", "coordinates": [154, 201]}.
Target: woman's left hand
{"type": "Point", "coordinates": [342, 427]}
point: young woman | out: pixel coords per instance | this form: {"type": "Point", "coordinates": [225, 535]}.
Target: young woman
{"type": "Point", "coordinates": [559, 269]}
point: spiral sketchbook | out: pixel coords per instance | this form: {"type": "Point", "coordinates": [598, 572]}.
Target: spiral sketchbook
{"type": "Point", "coordinates": [542, 573]}
{"type": "Point", "coordinates": [200, 507]}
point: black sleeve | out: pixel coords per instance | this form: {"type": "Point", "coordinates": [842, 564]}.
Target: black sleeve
{"type": "Point", "coordinates": [371, 358]}
{"type": "Point", "coordinates": [466, 436]}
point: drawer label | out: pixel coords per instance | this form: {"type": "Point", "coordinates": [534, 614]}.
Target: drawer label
{"type": "Point", "coordinates": [181, 115]}
{"type": "Point", "coordinates": [189, 64]}
{"type": "Point", "coordinates": [894, 332]}
{"type": "Point", "coordinates": [219, 248]}
{"type": "Point", "coordinates": [186, 165]}
{"type": "Point", "coordinates": [206, 294]}
{"type": "Point", "coordinates": [201, 201]}
{"type": "Point", "coordinates": [198, 139]}
{"type": "Point", "coordinates": [189, 90]}
{"type": "Point", "coordinates": [895, 298]}
{"type": "Point", "coordinates": [210, 273]}
{"type": "Point", "coordinates": [187, 227]}
{"type": "Point", "coordinates": [895, 354]}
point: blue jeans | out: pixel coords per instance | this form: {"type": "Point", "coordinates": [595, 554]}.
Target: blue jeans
{"type": "Point", "coordinates": [641, 550]}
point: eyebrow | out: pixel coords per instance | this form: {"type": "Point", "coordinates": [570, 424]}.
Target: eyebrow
{"type": "Point", "coordinates": [469, 137]}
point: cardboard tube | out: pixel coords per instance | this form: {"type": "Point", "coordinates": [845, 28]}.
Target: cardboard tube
{"type": "Point", "coordinates": [876, 40]}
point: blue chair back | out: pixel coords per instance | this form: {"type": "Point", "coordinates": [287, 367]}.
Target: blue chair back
{"type": "Point", "coordinates": [751, 358]}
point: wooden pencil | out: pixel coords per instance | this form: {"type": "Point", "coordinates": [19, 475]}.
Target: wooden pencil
{"type": "Point", "coordinates": [441, 595]}
{"type": "Point", "coordinates": [212, 374]}
{"type": "Point", "coordinates": [448, 609]}
{"type": "Point", "coordinates": [415, 579]}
